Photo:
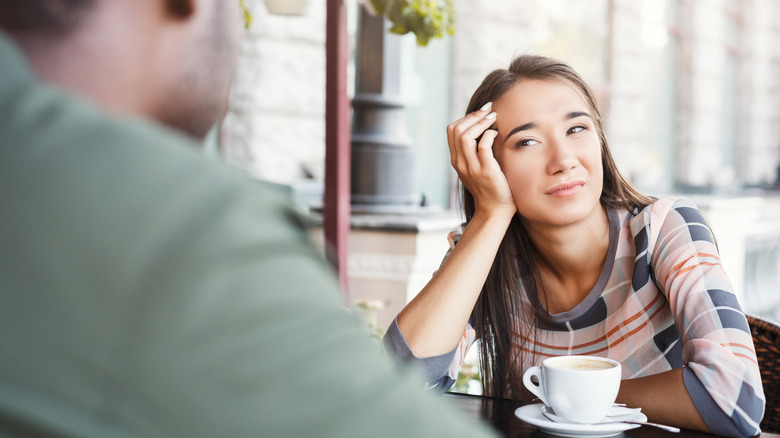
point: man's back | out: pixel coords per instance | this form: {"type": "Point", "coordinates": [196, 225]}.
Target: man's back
{"type": "Point", "coordinates": [149, 292]}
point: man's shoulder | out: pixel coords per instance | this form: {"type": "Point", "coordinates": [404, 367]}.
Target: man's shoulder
{"type": "Point", "coordinates": [62, 155]}
{"type": "Point", "coordinates": [49, 133]}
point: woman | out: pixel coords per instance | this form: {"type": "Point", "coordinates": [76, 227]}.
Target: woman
{"type": "Point", "coordinates": [560, 255]}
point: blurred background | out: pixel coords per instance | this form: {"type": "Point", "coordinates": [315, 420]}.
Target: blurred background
{"type": "Point", "coordinates": [690, 92]}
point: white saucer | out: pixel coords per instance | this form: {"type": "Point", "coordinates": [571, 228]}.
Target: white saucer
{"type": "Point", "coordinates": [532, 414]}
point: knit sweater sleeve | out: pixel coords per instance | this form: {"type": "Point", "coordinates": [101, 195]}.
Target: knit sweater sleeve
{"type": "Point", "coordinates": [721, 370]}
{"type": "Point", "coordinates": [440, 371]}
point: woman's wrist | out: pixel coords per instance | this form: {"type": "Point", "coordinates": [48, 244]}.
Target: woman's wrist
{"type": "Point", "coordinates": [496, 215]}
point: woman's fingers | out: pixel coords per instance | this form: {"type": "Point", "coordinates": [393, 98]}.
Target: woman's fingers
{"type": "Point", "coordinates": [469, 141]}
{"type": "Point", "coordinates": [457, 129]}
{"type": "Point", "coordinates": [463, 135]}
{"type": "Point", "coordinates": [485, 147]}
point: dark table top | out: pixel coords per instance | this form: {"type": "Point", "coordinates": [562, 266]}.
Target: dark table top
{"type": "Point", "coordinates": [500, 414]}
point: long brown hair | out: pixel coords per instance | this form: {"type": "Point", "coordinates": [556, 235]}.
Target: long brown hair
{"type": "Point", "coordinates": [501, 306]}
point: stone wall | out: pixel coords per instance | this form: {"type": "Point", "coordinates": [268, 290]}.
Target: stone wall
{"type": "Point", "coordinates": [275, 129]}
{"type": "Point", "coordinates": [489, 35]}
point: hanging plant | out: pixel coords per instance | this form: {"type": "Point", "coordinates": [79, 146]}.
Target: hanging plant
{"type": "Point", "coordinates": [427, 19]}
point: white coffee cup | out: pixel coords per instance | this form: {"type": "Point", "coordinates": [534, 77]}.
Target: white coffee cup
{"type": "Point", "coordinates": [581, 389]}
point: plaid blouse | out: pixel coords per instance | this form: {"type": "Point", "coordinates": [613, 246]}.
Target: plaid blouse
{"type": "Point", "coordinates": [662, 301]}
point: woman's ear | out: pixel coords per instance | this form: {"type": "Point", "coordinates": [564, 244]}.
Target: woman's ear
{"type": "Point", "coordinates": [180, 8]}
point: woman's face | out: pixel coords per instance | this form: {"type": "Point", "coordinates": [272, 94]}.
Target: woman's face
{"type": "Point", "coordinates": [549, 150]}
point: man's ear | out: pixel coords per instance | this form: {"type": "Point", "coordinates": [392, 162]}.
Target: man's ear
{"type": "Point", "coordinates": [180, 8]}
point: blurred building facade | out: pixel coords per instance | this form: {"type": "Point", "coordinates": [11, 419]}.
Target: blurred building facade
{"type": "Point", "coordinates": [689, 89]}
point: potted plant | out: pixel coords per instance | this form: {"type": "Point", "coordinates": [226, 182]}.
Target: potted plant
{"type": "Point", "coordinates": [427, 19]}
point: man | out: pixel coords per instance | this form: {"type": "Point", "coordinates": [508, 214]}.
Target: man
{"type": "Point", "coordinates": [147, 291]}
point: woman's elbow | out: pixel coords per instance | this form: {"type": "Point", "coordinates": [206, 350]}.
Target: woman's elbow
{"type": "Point", "coordinates": [744, 420]}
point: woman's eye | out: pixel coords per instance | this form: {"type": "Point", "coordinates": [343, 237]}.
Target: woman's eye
{"type": "Point", "coordinates": [576, 129]}
{"type": "Point", "coordinates": [526, 142]}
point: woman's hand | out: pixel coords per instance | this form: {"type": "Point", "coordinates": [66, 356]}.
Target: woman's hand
{"type": "Point", "coordinates": [476, 166]}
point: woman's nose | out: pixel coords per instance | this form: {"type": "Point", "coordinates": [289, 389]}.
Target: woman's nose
{"type": "Point", "coordinates": [562, 157]}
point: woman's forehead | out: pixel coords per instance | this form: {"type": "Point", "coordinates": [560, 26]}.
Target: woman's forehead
{"type": "Point", "coordinates": [540, 95]}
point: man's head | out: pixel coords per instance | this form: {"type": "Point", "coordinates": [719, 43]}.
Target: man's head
{"type": "Point", "coordinates": [55, 18]}
{"type": "Point", "coordinates": [172, 60]}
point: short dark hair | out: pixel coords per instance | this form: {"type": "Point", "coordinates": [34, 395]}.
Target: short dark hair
{"type": "Point", "coordinates": [44, 17]}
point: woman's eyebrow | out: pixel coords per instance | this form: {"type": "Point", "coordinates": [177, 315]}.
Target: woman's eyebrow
{"type": "Point", "coordinates": [532, 125]}
{"type": "Point", "coordinates": [524, 127]}
{"type": "Point", "coordinates": [575, 114]}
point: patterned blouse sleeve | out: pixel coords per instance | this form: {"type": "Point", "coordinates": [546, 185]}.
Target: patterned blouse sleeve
{"type": "Point", "coordinates": [721, 370]}
{"type": "Point", "coordinates": [440, 371]}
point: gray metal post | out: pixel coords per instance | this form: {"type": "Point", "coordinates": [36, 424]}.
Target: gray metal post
{"type": "Point", "coordinates": [382, 170]}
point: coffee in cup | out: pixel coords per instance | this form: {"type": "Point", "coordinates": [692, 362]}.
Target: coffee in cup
{"type": "Point", "coordinates": [581, 389]}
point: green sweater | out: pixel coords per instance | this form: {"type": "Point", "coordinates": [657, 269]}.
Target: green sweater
{"type": "Point", "coordinates": [149, 291]}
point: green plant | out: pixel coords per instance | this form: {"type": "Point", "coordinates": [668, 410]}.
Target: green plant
{"type": "Point", "coordinates": [427, 19]}
{"type": "Point", "coordinates": [247, 15]}
{"type": "Point", "coordinates": [369, 308]}
{"type": "Point", "coordinates": [468, 372]}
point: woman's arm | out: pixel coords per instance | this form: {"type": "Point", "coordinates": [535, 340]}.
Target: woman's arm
{"type": "Point", "coordinates": [663, 398]}
{"type": "Point", "coordinates": [433, 322]}
{"type": "Point", "coordinates": [721, 375]}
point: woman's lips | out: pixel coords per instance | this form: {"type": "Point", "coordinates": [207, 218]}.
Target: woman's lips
{"type": "Point", "coordinates": [566, 189]}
